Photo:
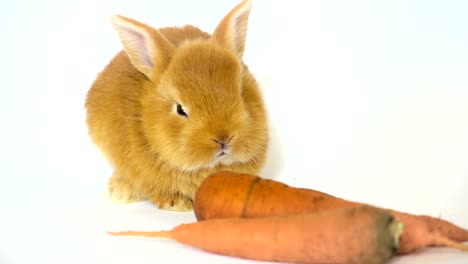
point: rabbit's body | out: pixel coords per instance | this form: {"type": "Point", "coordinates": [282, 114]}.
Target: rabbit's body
{"type": "Point", "coordinates": [175, 106]}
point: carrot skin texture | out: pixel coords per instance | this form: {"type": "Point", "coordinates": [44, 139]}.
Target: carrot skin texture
{"type": "Point", "coordinates": [229, 194]}
{"type": "Point", "coordinates": [362, 234]}
{"type": "Point", "coordinates": [264, 197]}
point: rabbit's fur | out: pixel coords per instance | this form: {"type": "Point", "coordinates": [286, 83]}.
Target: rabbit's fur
{"type": "Point", "coordinates": [175, 106]}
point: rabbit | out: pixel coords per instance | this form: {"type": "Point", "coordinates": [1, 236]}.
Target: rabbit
{"type": "Point", "coordinates": [174, 106]}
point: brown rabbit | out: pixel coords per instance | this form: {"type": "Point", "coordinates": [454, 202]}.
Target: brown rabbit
{"type": "Point", "coordinates": [175, 106]}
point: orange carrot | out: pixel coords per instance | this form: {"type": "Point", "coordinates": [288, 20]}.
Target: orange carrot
{"type": "Point", "coordinates": [229, 194]}
{"type": "Point", "coordinates": [361, 234]}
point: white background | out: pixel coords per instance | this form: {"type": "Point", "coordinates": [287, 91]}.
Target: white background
{"type": "Point", "coordinates": [368, 100]}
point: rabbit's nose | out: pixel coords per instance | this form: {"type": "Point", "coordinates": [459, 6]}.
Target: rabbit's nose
{"type": "Point", "coordinates": [222, 136]}
{"type": "Point", "coordinates": [221, 143]}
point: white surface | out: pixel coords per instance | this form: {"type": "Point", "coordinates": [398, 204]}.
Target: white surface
{"type": "Point", "coordinates": [368, 101]}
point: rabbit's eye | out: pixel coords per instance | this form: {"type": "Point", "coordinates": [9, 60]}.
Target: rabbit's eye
{"type": "Point", "coordinates": [180, 110]}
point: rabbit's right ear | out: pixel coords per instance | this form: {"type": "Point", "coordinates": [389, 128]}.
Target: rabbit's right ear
{"type": "Point", "coordinates": [146, 47]}
{"type": "Point", "coordinates": [232, 30]}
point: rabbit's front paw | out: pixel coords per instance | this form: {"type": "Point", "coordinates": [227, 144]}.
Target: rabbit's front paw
{"type": "Point", "coordinates": [173, 203]}
{"type": "Point", "coordinates": [121, 191]}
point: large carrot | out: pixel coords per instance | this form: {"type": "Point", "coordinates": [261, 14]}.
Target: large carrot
{"type": "Point", "coordinates": [361, 234]}
{"type": "Point", "coordinates": [229, 194]}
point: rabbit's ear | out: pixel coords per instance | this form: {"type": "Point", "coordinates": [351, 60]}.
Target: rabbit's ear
{"type": "Point", "coordinates": [232, 30]}
{"type": "Point", "coordinates": [146, 47]}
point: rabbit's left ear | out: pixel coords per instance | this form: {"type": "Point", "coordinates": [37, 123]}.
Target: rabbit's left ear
{"type": "Point", "coordinates": [232, 30]}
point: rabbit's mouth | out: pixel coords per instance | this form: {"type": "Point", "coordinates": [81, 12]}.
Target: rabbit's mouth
{"type": "Point", "coordinates": [223, 156]}
{"type": "Point", "coordinates": [222, 153]}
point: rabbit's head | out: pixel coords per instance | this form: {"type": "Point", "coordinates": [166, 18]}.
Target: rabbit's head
{"type": "Point", "coordinates": [201, 106]}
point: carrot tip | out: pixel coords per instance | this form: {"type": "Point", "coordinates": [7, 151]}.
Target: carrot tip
{"type": "Point", "coordinates": [453, 244]}
{"type": "Point", "coordinates": [115, 233]}
{"type": "Point", "coordinates": [121, 233]}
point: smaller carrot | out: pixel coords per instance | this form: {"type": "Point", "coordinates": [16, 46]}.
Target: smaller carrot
{"type": "Point", "coordinates": [362, 234]}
